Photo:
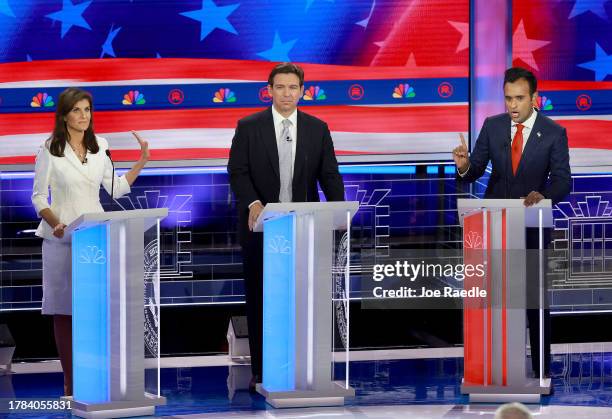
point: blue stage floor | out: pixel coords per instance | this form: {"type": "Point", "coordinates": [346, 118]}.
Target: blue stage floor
{"type": "Point", "coordinates": [578, 380]}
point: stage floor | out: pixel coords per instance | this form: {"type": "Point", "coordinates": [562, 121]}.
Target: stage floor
{"type": "Point", "coordinates": [420, 383]}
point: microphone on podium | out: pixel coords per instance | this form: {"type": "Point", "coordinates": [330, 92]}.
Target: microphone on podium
{"type": "Point", "coordinates": [108, 153]}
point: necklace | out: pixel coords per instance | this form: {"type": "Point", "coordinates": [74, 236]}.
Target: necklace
{"type": "Point", "coordinates": [80, 154]}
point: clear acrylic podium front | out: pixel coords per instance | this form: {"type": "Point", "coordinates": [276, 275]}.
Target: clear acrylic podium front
{"type": "Point", "coordinates": [306, 304]}
{"type": "Point", "coordinates": [115, 313]}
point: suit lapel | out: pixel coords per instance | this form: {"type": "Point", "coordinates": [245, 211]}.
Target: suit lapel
{"type": "Point", "coordinates": [508, 148]}
{"type": "Point", "coordinates": [300, 148]}
{"type": "Point", "coordinates": [268, 134]}
{"type": "Point", "coordinates": [72, 158]}
{"type": "Point", "coordinates": [531, 148]}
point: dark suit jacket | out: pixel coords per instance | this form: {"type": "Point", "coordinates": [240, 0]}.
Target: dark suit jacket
{"type": "Point", "coordinates": [544, 165]}
{"type": "Point", "coordinates": [254, 168]}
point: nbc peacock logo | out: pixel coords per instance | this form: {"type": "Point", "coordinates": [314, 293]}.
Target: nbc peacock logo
{"type": "Point", "coordinates": [544, 103]}
{"type": "Point", "coordinates": [403, 91]}
{"type": "Point", "coordinates": [224, 95]}
{"type": "Point", "coordinates": [42, 100]}
{"type": "Point", "coordinates": [314, 93]}
{"type": "Point", "coordinates": [133, 97]}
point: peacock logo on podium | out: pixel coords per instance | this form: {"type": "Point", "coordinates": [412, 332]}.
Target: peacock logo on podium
{"type": "Point", "coordinates": [92, 254]}
{"type": "Point", "coordinates": [279, 244]}
{"type": "Point", "coordinates": [472, 240]}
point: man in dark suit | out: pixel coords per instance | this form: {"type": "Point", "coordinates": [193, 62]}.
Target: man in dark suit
{"type": "Point", "coordinates": [530, 160]}
{"type": "Point", "coordinates": [277, 155]}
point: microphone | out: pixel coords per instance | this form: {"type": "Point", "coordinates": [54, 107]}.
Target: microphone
{"type": "Point", "coordinates": [113, 178]}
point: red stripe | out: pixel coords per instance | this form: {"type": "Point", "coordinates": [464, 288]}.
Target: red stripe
{"type": "Point", "coordinates": [473, 313]}
{"type": "Point", "coordinates": [588, 133]}
{"type": "Point", "coordinates": [546, 85]}
{"type": "Point", "coordinates": [184, 68]}
{"type": "Point", "coordinates": [504, 308]}
{"type": "Point", "coordinates": [171, 154]}
{"type": "Point", "coordinates": [339, 118]}
{"type": "Point", "coordinates": [489, 303]}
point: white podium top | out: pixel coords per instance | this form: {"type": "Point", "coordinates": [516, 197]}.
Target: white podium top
{"type": "Point", "coordinates": [338, 208]}
{"type": "Point", "coordinates": [93, 218]}
{"type": "Point", "coordinates": [467, 206]}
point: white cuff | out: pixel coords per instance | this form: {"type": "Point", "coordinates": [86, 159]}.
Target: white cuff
{"type": "Point", "coordinates": [464, 173]}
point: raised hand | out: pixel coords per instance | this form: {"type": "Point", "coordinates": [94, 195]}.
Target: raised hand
{"type": "Point", "coordinates": [144, 147]}
{"type": "Point", "coordinates": [460, 155]}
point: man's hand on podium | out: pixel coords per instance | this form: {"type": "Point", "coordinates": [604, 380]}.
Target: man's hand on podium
{"type": "Point", "coordinates": [533, 198]}
{"type": "Point", "coordinates": [254, 212]}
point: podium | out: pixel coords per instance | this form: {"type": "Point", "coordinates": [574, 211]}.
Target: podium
{"type": "Point", "coordinates": [112, 276]}
{"type": "Point", "coordinates": [297, 302]}
{"type": "Point", "coordinates": [495, 326]}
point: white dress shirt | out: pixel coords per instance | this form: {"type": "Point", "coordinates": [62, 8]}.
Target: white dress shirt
{"type": "Point", "coordinates": [527, 127]}
{"type": "Point", "coordinates": [75, 187]}
{"type": "Point", "coordinates": [278, 130]}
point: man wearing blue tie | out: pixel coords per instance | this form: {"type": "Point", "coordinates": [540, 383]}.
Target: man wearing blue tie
{"type": "Point", "coordinates": [529, 160]}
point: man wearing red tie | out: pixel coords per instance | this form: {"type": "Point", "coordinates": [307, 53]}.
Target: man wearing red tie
{"type": "Point", "coordinates": [529, 160]}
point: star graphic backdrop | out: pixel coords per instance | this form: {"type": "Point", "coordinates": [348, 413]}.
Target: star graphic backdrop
{"type": "Point", "coordinates": [183, 72]}
{"type": "Point", "coordinates": [568, 45]}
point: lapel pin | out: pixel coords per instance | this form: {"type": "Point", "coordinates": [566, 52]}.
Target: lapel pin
{"type": "Point", "coordinates": [539, 134]}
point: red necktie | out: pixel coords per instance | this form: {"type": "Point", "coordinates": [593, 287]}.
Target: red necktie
{"type": "Point", "coordinates": [517, 147]}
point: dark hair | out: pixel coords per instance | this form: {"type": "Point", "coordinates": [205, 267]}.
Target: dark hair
{"type": "Point", "coordinates": [286, 68]}
{"type": "Point", "coordinates": [57, 141]}
{"type": "Point", "coordinates": [515, 73]}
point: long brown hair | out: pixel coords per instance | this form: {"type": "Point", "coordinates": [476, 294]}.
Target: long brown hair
{"type": "Point", "coordinates": [57, 141]}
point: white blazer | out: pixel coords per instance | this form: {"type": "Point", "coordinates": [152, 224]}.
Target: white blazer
{"type": "Point", "coordinates": [75, 187]}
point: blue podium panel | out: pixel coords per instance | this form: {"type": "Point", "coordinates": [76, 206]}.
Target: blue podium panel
{"type": "Point", "coordinates": [279, 304]}
{"type": "Point", "coordinates": [90, 343]}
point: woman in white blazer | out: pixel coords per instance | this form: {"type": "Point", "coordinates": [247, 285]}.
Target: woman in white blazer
{"type": "Point", "coordinates": [73, 163]}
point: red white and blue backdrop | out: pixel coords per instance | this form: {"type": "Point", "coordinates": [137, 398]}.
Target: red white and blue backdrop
{"type": "Point", "coordinates": [389, 76]}
{"type": "Point", "coordinates": [568, 45]}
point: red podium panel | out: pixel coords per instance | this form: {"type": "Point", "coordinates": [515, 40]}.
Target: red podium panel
{"type": "Point", "coordinates": [495, 325]}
